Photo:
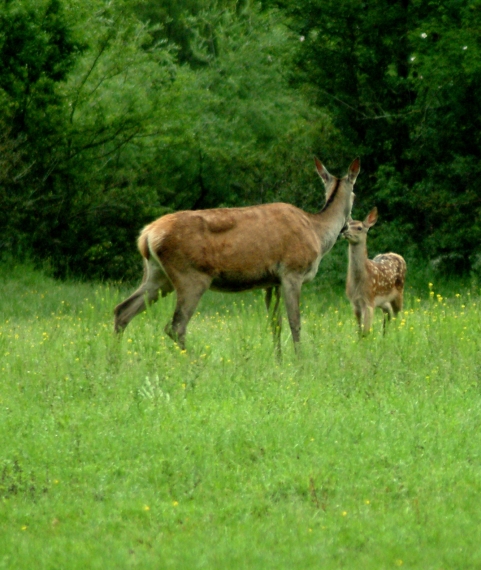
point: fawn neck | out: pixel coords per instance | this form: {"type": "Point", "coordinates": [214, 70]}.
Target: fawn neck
{"type": "Point", "coordinates": [357, 268]}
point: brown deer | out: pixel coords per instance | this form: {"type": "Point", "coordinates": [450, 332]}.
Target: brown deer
{"type": "Point", "coordinates": [271, 246]}
{"type": "Point", "coordinates": [372, 283]}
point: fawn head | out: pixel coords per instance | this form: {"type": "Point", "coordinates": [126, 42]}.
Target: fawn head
{"type": "Point", "coordinates": [356, 231]}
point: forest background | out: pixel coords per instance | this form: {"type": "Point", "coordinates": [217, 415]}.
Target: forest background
{"type": "Point", "coordinates": [113, 113]}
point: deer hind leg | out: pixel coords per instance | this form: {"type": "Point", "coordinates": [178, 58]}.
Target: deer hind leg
{"type": "Point", "coordinates": [189, 289]}
{"type": "Point", "coordinates": [291, 287]}
{"type": "Point", "coordinates": [276, 318]}
{"type": "Point", "coordinates": [388, 314]}
{"type": "Point", "coordinates": [154, 279]}
{"type": "Point", "coordinates": [397, 304]}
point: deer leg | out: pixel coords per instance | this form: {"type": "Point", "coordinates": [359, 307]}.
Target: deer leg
{"type": "Point", "coordinates": [268, 298]}
{"type": "Point", "coordinates": [154, 279]}
{"type": "Point", "coordinates": [292, 295]}
{"type": "Point", "coordinates": [188, 297]}
{"type": "Point", "coordinates": [358, 315]}
{"type": "Point", "coordinates": [388, 314]}
{"type": "Point", "coordinates": [397, 305]}
{"type": "Point", "coordinates": [276, 319]}
{"type": "Point", "coordinates": [367, 315]}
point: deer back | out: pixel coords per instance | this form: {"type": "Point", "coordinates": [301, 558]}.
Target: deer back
{"type": "Point", "coordinates": [389, 273]}
{"type": "Point", "coordinates": [255, 246]}
{"type": "Point", "coordinates": [257, 242]}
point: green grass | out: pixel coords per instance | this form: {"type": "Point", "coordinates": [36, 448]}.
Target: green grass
{"type": "Point", "coordinates": [131, 453]}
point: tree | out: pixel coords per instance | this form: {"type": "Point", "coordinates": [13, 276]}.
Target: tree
{"type": "Point", "coordinates": [78, 87]}
{"type": "Point", "coordinates": [229, 126]}
{"type": "Point", "coordinates": [401, 80]}
{"type": "Point", "coordinates": [36, 53]}
{"type": "Point", "coordinates": [140, 126]}
{"type": "Point", "coordinates": [445, 127]}
{"type": "Point", "coordinates": [111, 95]}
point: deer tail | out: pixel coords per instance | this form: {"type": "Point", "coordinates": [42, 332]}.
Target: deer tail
{"type": "Point", "coordinates": [143, 243]}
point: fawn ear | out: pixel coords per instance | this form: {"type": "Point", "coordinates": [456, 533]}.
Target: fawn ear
{"type": "Point", "coordinates": [322, 171]}
{"type": "Point", "coordinates": [354, 170]}
{"type": "Point", "coordinates": [371, 218]}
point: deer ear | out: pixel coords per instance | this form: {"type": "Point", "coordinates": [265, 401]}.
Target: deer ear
{"type": "Point", "coordinates": [322, 171]}
{"type": "Point", "coordinates": [354, 170]}
{"type": "Point", "coordinates": [371, 218]}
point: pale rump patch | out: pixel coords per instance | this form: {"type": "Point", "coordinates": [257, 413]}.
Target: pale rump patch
{"type": "Point", "coordinates": [155, 241]}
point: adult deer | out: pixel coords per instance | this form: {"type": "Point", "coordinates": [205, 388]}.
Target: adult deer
{"type": "Point", "coordinates": [272, 246]}
{"type": "Point", "coordinates": [372, 283]}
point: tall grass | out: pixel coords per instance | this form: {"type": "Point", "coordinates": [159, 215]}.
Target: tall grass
{"type": "Point", "coordinates": [119, 453]}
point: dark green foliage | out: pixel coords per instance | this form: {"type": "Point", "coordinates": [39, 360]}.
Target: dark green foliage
{"type": "Point", "coordinates": [234, 132]}
{"type": "Point", "coordinates": [113, 113]}
{"type": "Point", "coordinates": [36, 53]}
{"type": "Point", "coordinates": [446, 71]}
{"type": "Point", "coordinates": [146, 116]}
{"type": "Point", "coordinates": [402, 82]}
{"type": "Point", "coordinates": [69, 190]}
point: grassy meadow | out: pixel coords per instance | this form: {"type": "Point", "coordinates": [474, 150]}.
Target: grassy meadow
{"type": "Point", "coordinates": [129, 453]}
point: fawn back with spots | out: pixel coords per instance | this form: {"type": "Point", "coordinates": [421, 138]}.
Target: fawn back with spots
{"type": "Point", "coordinates": [372, 283]}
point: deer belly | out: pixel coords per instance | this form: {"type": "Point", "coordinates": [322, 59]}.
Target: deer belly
{"type": "Point", "coordinates": [388, 298]}
{"type": "Point", "coordinates": [235, 283]}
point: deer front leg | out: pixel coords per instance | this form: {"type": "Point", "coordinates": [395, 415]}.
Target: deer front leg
{"type": "Point", "coordinates": [189, 292]}
{"type": "Point", "coordinates": [291, 287]}
{"type": "Point", "coordinates": [388, 313]}
{"type": "Point", "coordinates": [268, 298]}
{"type": "Point", "coordinates": [367, 316]}
{"type": "Point", "coordinates": [276, 318]}
{"type": "Point", "coordinates": [358, 314]}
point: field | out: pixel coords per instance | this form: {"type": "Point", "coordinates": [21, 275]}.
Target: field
{"type": "Point", "coordinates": [131, 453]}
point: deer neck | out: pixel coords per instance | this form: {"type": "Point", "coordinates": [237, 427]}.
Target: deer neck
{"type": "Point", "coordinates": [332, 218]}
{"type": "Point", "coordinates": [357, 267]}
